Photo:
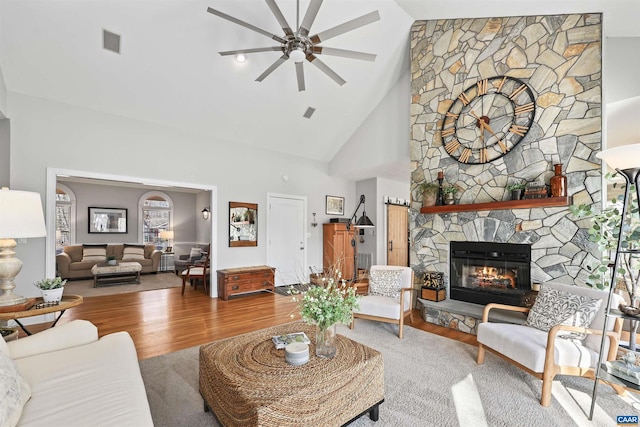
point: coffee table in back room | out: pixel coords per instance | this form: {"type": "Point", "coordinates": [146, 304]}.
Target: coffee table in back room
{"type": "Point", "coordinates": [122, 272]}
{"type": "Point", "coordinates": [247, 382]}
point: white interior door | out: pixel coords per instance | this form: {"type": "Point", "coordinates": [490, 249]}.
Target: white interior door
{"type": "Point", "coordinates": [287, 250]}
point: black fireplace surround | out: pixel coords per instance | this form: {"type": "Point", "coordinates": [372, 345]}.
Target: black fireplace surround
{"type": "Point", "coordinates": [486, 272]}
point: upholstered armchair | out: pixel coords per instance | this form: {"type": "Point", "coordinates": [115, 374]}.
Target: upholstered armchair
{"type": "Point", "coordinates": [564, 349]}
{"type": "Point", "coordinates": [389, 298]}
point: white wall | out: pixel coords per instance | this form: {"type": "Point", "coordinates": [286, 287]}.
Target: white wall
{"type": "Point", "coordinates": [5, 152]}
{"type": "Point", "coordinates": [623, 122]}
{"type": "Point", "coordinates": [47, 134]}
{"type": "Point", "coordinates": [382, 139]}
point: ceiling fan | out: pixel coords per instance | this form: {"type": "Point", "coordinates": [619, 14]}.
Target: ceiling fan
{"type": "Point", "coordinates": [298, 45]}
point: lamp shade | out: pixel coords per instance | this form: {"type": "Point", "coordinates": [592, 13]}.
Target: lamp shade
{"type": "Point", "coordinates": [166, 234]}
{"type": "Point", "coordinates": [364, 222]}
{"type": "Point", "coordinates": [21, 215]}
{"type": "Point", "coordinates": [623, 157]}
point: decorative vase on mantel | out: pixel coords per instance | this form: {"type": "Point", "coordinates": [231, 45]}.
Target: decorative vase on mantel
{"type": "Point", "coordinates": [326, 341]}
{"type": "Point", "coordinates": [558, 182]}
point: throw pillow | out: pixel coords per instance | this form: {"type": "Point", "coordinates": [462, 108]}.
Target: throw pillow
{"type": "Point", "coordinates": [386, 283]}
{"type": "Point", "coordinates": [14, 389]}
{"type": "Point", "coordinates": [195, 254]}
{"type": "Point", "coordinates": [94, 253]}
{"type": "Point", "coordinates": [555, 307]}
{"type": "Point", "coordinates": [133, 253]}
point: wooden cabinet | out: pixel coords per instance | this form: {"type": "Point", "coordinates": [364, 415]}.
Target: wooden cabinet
{"type": "Point", "coordinates": [337, 249]}
{"type": "Point", "coordinates": [235, 281]}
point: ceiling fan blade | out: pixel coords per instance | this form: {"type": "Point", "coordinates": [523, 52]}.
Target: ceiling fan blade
{"type": "Point", "coordinates": [300, 75]}
{"type": "Point", "coordinates": [253, 50]}
{"type": "Point", "coordinates": [280, 17]}
{"type": "Point", "coordinates": [325, 69]}
{"type": "Point", "coordinates": [245, 24]}
{"type": "Point", "coordinates": [271, 68]}
{"type": "Point", "coordinates": [309, 17]}
{"type": "Point", "coordinates": [346, 26]}
{"type": "Point", "coordinates": [344, 53]}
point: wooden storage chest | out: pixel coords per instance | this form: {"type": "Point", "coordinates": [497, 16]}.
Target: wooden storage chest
{"type": "Point", "coordinates": [433, 294]}
{"type": "Point", "coordinates": [236, 281]}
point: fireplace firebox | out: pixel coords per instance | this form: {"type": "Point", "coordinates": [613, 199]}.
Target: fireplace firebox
{"type": "Point", "coordinates": [486, 272]}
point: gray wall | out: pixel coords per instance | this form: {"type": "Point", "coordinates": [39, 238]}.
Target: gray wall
{"type": "Point", "coordinates": [104, 196]}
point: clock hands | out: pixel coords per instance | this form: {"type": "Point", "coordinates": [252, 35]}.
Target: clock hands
{"type": "Point", "coordinates": [484, 125]}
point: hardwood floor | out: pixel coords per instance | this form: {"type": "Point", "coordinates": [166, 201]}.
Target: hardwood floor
{"type": "Point", "coordinates": [163, 321]}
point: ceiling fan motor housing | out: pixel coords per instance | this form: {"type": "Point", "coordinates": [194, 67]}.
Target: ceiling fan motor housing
{"type": "Point", "coordinates": [298, 48]}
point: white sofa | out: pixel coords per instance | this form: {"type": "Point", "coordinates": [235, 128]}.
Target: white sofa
{"type": "Point", "coordinates": [77, 379]}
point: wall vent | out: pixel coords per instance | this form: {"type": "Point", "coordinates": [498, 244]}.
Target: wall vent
{"type": "Point", "coordinates": [309, 112]}
{"type": "Point", "coordinates": [111, 41]}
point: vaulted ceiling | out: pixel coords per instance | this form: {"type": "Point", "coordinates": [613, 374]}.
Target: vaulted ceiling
{"type": "Point", "coordinates": [169, 71]}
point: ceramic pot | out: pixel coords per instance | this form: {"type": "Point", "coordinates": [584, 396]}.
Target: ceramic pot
{"type": "Point", "coordinates": [52, 295]}
{"type": "Point", "coordinates": [429, 197]}
{"type": "Point", "coordinates": [449, 199]}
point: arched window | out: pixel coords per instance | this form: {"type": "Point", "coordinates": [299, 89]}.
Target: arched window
{"type": "Point", "coordinates": [65, 216]}
{"type": "Point", "coordinates": [156, 213]}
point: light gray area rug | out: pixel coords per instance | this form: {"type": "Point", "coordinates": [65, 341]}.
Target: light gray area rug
{"type": "Point", "coordinates": [429, 381]}
{"type": "Point", "coordinates": [148, 282]}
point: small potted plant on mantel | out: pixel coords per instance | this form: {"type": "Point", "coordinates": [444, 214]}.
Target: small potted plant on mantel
{"type": "Point", "coordinates": [449, 192]}
{"type": "Point", "coordinates": [51, 289]}
{"type": "Point", "coordinates": [516, 190]}
{"type": "Point", "coordinates": [429, 192]}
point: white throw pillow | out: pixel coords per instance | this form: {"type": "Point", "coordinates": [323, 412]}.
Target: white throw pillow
{"type": "Point", "coordinates": [195, 253]}
{"type": "Point", "coordinates": [133, 253]}
{"type": "Point", "coordinates": [94, 253]}
{"type": "Point", "coordinates": [386, 283]}
{"type": "Point", "coordinates": [14, 390]}
{"type": "Point", "coordinates": [555, 307]}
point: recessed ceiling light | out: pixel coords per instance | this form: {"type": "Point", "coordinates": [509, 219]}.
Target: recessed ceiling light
{"type": "Point", "coordinates": [241, 58]}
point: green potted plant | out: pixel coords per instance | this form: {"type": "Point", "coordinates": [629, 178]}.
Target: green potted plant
{"type": "Point", "coordinates": [449, 192]}
{"type": "Point", "coordinates": [51, 289]}
{"type": "Point", "coordinates": [429, 192]}
{"type": "Point", "coordinates": [517, 190]}
{"type": "Point", "coordinates": [111, 260]}
{"type": "Point", "coordinates": [604, 233]}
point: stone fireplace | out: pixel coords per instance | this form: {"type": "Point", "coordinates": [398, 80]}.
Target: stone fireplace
{"type": "Point", "coordinates": [486, 272]}
{"type": "Point", "coordinates": [559, 58]}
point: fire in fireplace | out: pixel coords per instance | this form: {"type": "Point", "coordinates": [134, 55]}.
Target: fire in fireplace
{"type": "Point", "coordinates": [486, 272]}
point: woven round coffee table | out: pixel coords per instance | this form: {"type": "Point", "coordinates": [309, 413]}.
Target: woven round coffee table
{"type": "Point", "coordinates": [246, 381]}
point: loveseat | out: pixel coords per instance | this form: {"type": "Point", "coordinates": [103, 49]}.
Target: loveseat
{"type": "Point", "coordinates": [73, 263]}
{"type": "Point", "coordinates": [69, 377]}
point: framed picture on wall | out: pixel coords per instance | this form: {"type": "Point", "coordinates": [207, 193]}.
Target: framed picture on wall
{"type": "Point", "coordinates": [335, 205]}
{"type": "Point", "coordinates": [107, 220]}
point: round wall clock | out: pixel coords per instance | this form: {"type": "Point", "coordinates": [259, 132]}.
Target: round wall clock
{"type": "Point", "coordinates": [488, 119]}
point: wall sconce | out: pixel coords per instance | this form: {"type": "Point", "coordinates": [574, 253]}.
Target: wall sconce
{"type": "Point", "coordinates": [314, 223]}
{"type": "Point", "coordinates": [205, 213]}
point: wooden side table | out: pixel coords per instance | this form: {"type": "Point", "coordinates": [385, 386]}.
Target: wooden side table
{"type": "Point", "coordinates": [67, 302]}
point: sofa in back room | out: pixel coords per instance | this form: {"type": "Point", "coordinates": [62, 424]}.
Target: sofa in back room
{"type": "Point", "coordinates": [75, 262]}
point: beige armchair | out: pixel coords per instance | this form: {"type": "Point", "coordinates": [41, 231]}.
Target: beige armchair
{"type": "Point", "coordinates": [389, 298]}
{"type": "Point", "coordinates": [544, 354]}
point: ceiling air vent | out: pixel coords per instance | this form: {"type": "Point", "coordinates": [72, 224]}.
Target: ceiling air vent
{"type": "Point", "coordinates": [309, 112]}
{"type": "Point", "coordinates": [111, 41]}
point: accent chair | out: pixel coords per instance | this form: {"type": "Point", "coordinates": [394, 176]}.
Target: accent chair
{"type": "Point", "coordinates": [564, 349]}
{"type": "Point", "coordinates": [389, 298]}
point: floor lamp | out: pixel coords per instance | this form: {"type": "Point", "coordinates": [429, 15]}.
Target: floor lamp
{"type": "Point", "coordinates": [21, 217]}
{"type": "Point", "coordinates": [362, 222]}
{"type": "Point", "coordinates": [626, 161]}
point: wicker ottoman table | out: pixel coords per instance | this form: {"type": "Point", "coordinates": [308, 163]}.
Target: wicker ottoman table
{"type": "Point", "coordinates": [123, 272]}
{"type": "Point", "coordinates": [247, 382]}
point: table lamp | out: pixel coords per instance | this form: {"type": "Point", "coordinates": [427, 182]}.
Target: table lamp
{"type": "Point", "coordinates": [167, 235]}
{"type": "Point", "coordinates": [21, 217]}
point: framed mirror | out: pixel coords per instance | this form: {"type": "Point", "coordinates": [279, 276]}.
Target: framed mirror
{"type": "Point", "coordinates": [243, 224]}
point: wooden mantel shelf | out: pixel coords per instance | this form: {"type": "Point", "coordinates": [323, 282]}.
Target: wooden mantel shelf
{"type": "Point", "coordinates": [492, 206]}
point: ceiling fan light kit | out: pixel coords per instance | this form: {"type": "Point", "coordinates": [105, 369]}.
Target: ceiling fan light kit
{"type": "Point", "coordinates": [298, 46]}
